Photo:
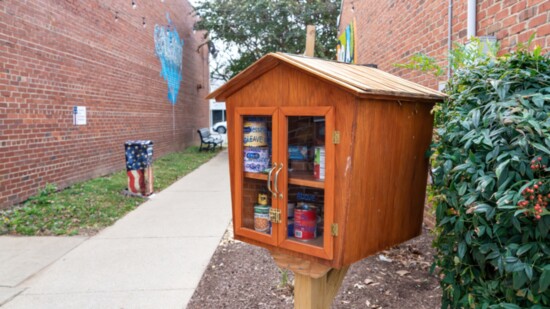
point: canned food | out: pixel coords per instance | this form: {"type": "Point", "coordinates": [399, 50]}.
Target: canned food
{"type": "Point", "coordinates": [255, 133]}
{"type": "Point", "coordinates": [305, 222]}
{"type": "Point", "coordinates": [256, 159]}
{"type": "Point", "coordinates": [320, 226]}
{"type": "Point", "coordinates": [262, 199]}
{"type": "Point", "coordinates": [290, 227]}
{"type": "Point", "coordinates": [290, 210]}
{"type": "Point", "coordinates": [261, 219]}
{"type": "Point", "coordinates": [319, 163]}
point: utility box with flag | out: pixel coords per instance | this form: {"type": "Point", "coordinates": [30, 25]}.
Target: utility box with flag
{"type": "Point", "coordinates": [139, 166]}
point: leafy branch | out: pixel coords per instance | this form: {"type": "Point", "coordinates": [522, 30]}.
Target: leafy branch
{"type": "Point", "coordinates": [242, 31]}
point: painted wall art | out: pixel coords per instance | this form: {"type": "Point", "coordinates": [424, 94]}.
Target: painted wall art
{"type": "Point", "coordinates": [345, 50]}
{"type": "Point", "coordinates": [169, 50]}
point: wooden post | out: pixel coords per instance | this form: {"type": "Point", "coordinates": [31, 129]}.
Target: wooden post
{"type": "Point", "coordinates": [315, 285]}
{"type": "Point", "coordinates": [310, 41]}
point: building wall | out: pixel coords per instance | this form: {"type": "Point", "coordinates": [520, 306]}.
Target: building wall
{"type": "Point", "coordinates": [56, 54]}
{"type": "Point", "coordinates": [391, 31]}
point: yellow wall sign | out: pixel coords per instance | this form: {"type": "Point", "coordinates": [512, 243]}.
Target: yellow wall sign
{"type": "Point", "coordinates": [345, 50]}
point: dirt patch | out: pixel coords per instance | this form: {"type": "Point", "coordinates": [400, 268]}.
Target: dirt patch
{"type": "Point", "coordinates": [244, 276]}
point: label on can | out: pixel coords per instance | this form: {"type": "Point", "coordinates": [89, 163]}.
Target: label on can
{"type": "Point", "coordinates": [305, 222]}
{"type": "Point", "coordinates": [290, 210]}
{"type": "Point", "coordinates": [319, 163]}
{"type": "Point", "coordinates": [290, 227]}
{"type": "Point", "coordinates": [262, 199]}
{"type": "Point", "coordinates": [261, 219]}
{"type": "Point", "coordinates": [298, 152]}
{"type": "Point", "coordinates": [255, 133]}
{"type": "Point", "coordinates": [256, 159]}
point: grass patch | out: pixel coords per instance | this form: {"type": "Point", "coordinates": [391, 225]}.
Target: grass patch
{"type": "Point", "coordinates": [87, 207]}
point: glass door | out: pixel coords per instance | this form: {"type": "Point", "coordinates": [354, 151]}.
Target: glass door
{"type": "Point", "coordinates": [256, 168]}
{"type": "Point", "coordinates": [307, 204]}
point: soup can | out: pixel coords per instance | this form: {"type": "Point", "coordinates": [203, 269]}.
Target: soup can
{"type": "Point", "coordinates": [305, 222]}
{"type": "Point", "coordinates": [255, 133]}
{"type": "Point", "coordinates": [261, 219]}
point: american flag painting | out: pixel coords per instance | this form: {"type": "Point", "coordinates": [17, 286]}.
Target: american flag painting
{"type": "Point", "coordinates": [136, 181]}
{"type": "Point", "coordinates": [139, 159]}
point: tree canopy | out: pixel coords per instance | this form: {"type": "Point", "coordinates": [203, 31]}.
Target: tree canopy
{"type": "Point", "coordinates": [242, 31]}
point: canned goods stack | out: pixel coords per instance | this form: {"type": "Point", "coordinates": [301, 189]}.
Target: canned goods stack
{"type": "Point", "coordinates": [256, 152]}
{"type": "Point", "coordinates": [262, 222]}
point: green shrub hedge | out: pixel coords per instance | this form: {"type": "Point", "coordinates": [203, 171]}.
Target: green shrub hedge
{"type": "Point", "coordinates": [492, 184]}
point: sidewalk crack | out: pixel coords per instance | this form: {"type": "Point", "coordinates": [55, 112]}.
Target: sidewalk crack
{"type": "Point", "coordinates": [12, 297]}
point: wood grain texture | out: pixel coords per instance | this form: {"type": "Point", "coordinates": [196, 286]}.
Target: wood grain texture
{"type": "Point", "coordinates": [317, 293]}
{"type": "Point", "coordinates": [260, 67]}
{"type": "Point", "coordinates": [285, 86]}
{"type": "Point", "coordinates": [388, 176]}
{"type": "Point", "coordinates": [357, 79]}
{"type": "Point", "coordinates": [243, 210]}
{"type": "Point", "coordinates": [309, 181]}
{"type": "Point", "coordinates": [309, 292]}
{"type": "Point", "coordinates": [310, 40]}
{"type": "Point", "coordinates": [327, 112]}
{"type": "Point", "coordinates": [376, 175]}
{"type": "Point", "coordinates": [301, 266]}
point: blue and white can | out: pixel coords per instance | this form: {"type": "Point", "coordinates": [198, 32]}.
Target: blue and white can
{"type": "Point", "coordinates": [256, 159]}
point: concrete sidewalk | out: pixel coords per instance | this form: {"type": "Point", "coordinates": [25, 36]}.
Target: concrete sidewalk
{"type": "Point", "coordinates": [154, 257]}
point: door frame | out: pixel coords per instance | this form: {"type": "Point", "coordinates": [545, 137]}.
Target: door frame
{"type": "Point", "coordinates": [327, 251]}
{"type": "Point", "coordinates": [241, 112]}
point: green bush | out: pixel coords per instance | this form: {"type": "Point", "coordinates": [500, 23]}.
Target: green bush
{"type": "Point", "coordinates": [492, 184]}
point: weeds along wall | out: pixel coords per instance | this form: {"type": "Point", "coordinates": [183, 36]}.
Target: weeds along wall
{"type": "Point", "coordinates": [99, 54]}
{"type": "Point", "coordinates": [390, 32]}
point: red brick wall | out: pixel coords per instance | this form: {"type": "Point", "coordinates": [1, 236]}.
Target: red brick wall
{"type": "Point", "coordinates": [390, 31]}
{"type": "Point", "coordinates": [56, 54]}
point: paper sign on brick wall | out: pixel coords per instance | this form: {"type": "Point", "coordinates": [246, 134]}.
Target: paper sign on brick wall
{"type": "Point", "coordinates": [79, 115]}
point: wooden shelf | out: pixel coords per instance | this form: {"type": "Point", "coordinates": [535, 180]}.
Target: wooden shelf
{"type": "Point", "coordinates": [295, 178]}
{"type": "Point", "coordinates": [317, 242]}
{"type": "Point", "coordinates": [305, 179]}
{"type": "Point", "coordinates": [259, 176]}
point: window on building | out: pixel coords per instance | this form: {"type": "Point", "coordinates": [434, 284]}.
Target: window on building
{"type": "Point", "coordinates": [218, 116]}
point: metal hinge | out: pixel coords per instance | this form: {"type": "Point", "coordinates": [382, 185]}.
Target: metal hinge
{"type": "Point", "coordinates": [336, 137]}
{"type": "Point", "coordinates": [275, 215]}
{"type": "Point", "coordinates": [334, 229]}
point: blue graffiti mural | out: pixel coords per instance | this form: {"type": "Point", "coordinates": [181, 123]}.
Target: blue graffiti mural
{"type": "Point", "coordinates": [169, 49]}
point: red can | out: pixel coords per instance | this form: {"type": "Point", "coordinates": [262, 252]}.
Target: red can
{"type": "Point", "coordinates": [305, 222]}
